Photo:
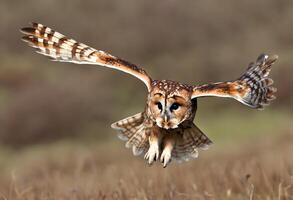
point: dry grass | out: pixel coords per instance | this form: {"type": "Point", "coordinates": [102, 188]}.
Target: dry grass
{"type": "Point", "coordinates": [260, 170]}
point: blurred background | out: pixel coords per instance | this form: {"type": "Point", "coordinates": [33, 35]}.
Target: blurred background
{"type": "Point", "coordinates": [55, 117]}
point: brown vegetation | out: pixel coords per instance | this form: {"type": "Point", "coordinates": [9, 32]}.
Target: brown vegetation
{"type": "Point", "coordinates": [260, 170]}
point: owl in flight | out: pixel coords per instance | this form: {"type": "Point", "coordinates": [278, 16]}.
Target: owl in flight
{"type": "Point", "coordinates": [165, 129]}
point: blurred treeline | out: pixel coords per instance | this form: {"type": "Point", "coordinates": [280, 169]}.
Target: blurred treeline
{"type": "Point", "coordinates": [189, 41]}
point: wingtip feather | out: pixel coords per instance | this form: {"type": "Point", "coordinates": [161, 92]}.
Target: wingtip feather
{"type": "Point", "coordinates": [28, 30]}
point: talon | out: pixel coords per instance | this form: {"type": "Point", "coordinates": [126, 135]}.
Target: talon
{"type": "Point", "coordinates": [152, 154]}
{"type": "Point", "coordinates": [165, 157]}
{"type": "Point", "coordinates": [166, 163]}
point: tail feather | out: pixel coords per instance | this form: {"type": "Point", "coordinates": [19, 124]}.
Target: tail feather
{"type": "Point", "coordinates": [260, 89]}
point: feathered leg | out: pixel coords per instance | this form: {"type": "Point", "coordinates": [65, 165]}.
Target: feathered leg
{"type": "Point", "coordinates": [168, 145]}
{"type": "Point", "coordinates": [154, 143]}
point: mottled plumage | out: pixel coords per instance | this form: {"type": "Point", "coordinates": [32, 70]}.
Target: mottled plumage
{"type": "Point", "coordinates": [165, 129]}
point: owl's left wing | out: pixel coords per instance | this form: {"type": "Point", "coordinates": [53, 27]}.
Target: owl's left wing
{"type": "Point", "coordinates": [253, 88]}
{"type": "Point", "coordinates": [188, 141]}
{"type": "Point", "coordinates": [60, 48]}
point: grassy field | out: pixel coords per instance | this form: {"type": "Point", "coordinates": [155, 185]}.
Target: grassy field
{"type": "Point", "coordinates": [237, 166]}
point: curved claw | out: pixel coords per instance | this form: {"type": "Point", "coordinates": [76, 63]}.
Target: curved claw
{"type": "Point", "coordinates": [152, 154]}
{"type": "Point", "coordinates": [166, 157]}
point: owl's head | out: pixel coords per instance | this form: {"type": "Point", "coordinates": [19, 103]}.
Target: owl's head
{"type": "Point", "coordinates": [170, 104]}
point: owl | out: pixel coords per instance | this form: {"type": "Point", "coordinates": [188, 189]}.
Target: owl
{"type": "Point", "coordinates": [164, 130]}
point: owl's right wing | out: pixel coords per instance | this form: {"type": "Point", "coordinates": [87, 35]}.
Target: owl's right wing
{"type": "Point", "coordinates": [60, 48]}
{"type": "Point", "coordinates": [253, 88]}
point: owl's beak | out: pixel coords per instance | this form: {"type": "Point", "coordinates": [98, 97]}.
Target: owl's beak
{"type": "Point", "coordinates": [166, 125]}
{"type": "Point", "coordinates": [166, 118]}
{"type": "Point", "coordinates": [165, 122]}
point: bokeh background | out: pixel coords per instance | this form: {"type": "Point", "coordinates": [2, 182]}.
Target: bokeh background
{"type": "Point", "coordinates": [55, 135]}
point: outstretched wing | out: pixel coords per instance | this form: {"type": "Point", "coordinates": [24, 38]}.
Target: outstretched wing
{"type": "Point", "coordinates": [60, 48]}
{"type": "Point", "coordinates": [253, 88]}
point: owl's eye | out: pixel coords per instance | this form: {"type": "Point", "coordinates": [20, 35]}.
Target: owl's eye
{"type": "Point", "coordinates": [159, 105]}
{"type": "Point", "coordinates": [174, 106]}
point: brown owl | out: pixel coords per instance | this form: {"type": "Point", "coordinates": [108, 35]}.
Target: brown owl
{"type": "Point", "coordinates": [165, 129]}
